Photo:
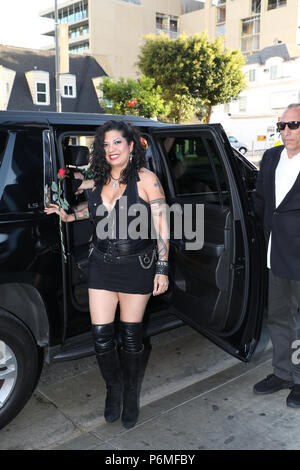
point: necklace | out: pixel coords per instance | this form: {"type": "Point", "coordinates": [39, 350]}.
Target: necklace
{"type": "Point", "coordinates": [114, 184]}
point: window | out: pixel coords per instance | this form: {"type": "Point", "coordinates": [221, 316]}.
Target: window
{"type": "Point", "coordinates": [273, 72]}
{"type": "Point", "coordinates": [80, 48]}
{"type": "Point", "coordinates": [255, 6]}
{"type": "Point", "coordinates": [250, 34]}
{"type": "Point", "coordinates": [68, 90]}
{"type": "Point", "coordinates": [167, 24]}
{"type": "Point", "coordinates": [220, 29]}
{"type": "Point", "coordinates": [41, 93]}
{"type": "Point", "coordinates": [196, 168]}
{"type": "Point", "coordinates": [276, 4]}
{"type": "Point", "coordinates": [3, 140]}
{"type": "Point", "coordinates": [72, 13]}
{"type": "Point", "coordinates": [242, 103]}
{"type": "Point", "coordinates": [80, 31]}
{"type": "Point", "coordinates": [252, 75]}
{"type": "Point", "coordinates": [22, 177]}
{"type": "Point", "coordinates": [221, 14]}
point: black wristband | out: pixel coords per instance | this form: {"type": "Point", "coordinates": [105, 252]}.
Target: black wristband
{"type": "Point", "coordinates": [162, 267]}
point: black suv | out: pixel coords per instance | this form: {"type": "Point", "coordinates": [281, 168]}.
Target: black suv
{"type": "Point", "coordinates": [218, 289]}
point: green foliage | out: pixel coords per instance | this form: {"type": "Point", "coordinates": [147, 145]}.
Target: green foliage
{"type": "Point", "coordinates": [141, 97]}
{"type": "Point", "coordinates": [202, 73]}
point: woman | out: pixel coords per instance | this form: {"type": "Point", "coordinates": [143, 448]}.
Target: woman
{"type": "Point", "coordinates": [122, 269]}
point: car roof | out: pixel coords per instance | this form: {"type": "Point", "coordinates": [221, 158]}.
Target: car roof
{"type": "Point", "coordinates": [52, 118]}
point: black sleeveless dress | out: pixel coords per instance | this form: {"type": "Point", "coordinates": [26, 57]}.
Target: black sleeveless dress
{"type": "Point", "coordinates": [119, 261]}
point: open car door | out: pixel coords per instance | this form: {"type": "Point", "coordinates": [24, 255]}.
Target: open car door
{"type": "Point", "coordinates": [218, 285]}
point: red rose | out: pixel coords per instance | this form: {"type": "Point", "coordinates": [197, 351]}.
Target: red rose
{"type": "Point", "coordinates": [144, 142]}
{"type": "Point", "coordinates": [61, 173]}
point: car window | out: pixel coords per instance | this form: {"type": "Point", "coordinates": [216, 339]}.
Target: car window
{"type": "Point", "coordinates": [196, 168]}
{"type": "Point", "coordinates": [3, 140]}
{"type": "Point", "coordinates": [22, 178]}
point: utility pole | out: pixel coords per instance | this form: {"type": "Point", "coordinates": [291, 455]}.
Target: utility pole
{"type": "Point", "coordinates": [57, 65]}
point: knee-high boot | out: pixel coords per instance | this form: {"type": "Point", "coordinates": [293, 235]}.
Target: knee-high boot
{"type": "Point", "coordinates": [131, 359]}
{"type": "Point", "coordinates": [109, 365]}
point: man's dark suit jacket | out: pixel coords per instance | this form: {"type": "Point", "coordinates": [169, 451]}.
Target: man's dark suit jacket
{"type": "Point", "coordinates": [283, 221]}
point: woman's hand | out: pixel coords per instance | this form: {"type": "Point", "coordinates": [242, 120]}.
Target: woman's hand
{"type": "Point", "coordinates": [54, 209]}
{"type": "Point", "coordinates": [78, 175]}
{"type": "Point", "coordinates": [161, 284]}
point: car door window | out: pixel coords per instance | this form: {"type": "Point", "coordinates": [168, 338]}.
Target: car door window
{"type": "Point", "coordinates": [196, 168]}
{"type": "Point", "coordinates": [22, 173]}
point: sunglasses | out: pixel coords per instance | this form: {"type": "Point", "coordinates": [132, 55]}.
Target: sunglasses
{"type": "Point", "coordinates": [291, 125]}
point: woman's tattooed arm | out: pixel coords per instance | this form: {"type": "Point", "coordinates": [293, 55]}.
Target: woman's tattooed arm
{"type": "Point", "coordinates": [160, 220]}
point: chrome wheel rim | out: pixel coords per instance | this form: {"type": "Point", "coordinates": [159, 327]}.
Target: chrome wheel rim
{"type": "Point", "coordinates": [8, 372]}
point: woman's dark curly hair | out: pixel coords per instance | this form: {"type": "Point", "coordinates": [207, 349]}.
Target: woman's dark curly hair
{"type": "Point", "coordinates": [100, 166]}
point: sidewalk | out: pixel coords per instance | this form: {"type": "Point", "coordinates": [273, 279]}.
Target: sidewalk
{"type": "Point", "coordinates": [194, 396]}
{"type": "Point", "coordinates": [220, 412]}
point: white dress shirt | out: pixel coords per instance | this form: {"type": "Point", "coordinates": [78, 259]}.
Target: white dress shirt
{"type": "Point", "coordinates": [286, 174]}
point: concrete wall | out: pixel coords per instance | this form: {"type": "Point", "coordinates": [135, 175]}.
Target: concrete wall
{"type": "Point", "coordinates": [117, 29]}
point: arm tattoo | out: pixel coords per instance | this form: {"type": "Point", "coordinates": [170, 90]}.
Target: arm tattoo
{"type": "Point", "coordinates": [82, 214]}
{"type": "Point", "coordinates": [159, 185]}
{"type": "Point", "coordinates": [162, 248]}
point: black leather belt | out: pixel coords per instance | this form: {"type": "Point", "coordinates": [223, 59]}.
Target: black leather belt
{"type": "Point", "coordinates": [118, 249]}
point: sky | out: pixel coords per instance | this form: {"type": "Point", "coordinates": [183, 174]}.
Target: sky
{"type": "Point", "coordinates": [21, 26]}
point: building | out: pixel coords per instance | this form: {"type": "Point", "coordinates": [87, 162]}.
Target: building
{"type": "Point", "coordinates": [250, 25]}
{"type": "Point", "coordinates": [114, 29]}
{"type": "Point", "coordinates": [27, 81]}
{"type": "Point", "coordinates": [273, 83]}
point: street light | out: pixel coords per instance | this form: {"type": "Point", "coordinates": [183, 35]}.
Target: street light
{"type": "Point", "coordinates": [57, 71]}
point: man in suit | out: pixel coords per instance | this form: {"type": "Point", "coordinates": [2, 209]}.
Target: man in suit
{"type": "Point", "coordinates": [277, 203]}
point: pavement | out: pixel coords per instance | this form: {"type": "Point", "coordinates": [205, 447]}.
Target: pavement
{"type": "Point", "coordinates": [194, 397]}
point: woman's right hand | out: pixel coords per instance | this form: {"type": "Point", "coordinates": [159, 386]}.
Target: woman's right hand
{"type": "Point", "coordinates": [54, 209]}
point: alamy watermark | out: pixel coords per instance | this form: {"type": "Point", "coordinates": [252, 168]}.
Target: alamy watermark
{"type": "Point", "coordinates": [134, 222]}
{"type": "Point", "coordinates": [296, 354]}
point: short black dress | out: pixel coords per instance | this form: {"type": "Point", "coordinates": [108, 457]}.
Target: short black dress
{"type": "Point", "coordinates": [117, 262]}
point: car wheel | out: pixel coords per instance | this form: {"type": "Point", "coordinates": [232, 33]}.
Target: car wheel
{"type": "Point", "coordinates": [20, 366]}
{"type": "Point", "coordinates": [243, 150]}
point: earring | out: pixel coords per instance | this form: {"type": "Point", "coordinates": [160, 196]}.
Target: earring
{"type": "Point", "coordinates": [130, 157]}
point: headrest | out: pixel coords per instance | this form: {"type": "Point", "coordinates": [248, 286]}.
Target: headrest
{"type": "Point", "coordinates": [77, 155]}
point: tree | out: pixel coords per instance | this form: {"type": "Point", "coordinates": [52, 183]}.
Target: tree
{"type": "Point", "coordinates": [203, 73]}
{"type": "Point", "coordinates": [141, 97]}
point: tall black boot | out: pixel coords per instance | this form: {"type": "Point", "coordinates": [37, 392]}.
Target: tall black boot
{"type": "Point", "coordinates": [131, 362]}
{"type": "Point", "coordinates": [109, 365]}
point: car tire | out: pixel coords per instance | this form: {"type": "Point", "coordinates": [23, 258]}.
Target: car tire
{"type": "Point", "coordinates": [243, 150]}
{"type": "Point", "coordinates": [20, 366]}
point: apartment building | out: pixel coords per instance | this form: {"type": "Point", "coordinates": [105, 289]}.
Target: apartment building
{"type": "Point", "coordinates": [250, 25]}
{"type": "Point", "coordinates": [114, 29]}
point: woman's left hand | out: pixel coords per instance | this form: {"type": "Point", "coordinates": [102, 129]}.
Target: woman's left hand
{"type": "Point", "coordinates": [161, 284]}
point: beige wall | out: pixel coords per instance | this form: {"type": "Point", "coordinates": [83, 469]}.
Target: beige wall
{"type": "Point", "coordinates": [280, 23]}
{"type": "Point", "coordinates": [117, 28]}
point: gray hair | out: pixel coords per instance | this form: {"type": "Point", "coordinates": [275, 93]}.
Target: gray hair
{"type": "Point", "coordinates": [293, 105]}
